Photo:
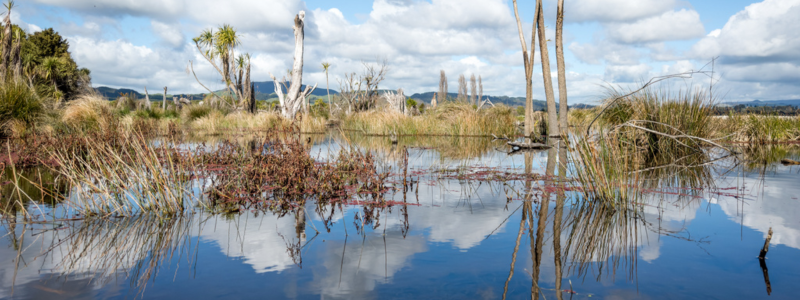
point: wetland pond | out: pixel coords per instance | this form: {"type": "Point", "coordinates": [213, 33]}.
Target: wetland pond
{"type": "Point", "coordinates": [471, 222]}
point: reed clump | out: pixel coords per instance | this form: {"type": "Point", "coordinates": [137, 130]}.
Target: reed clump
{"type": "Point", "coordinates": [757, 129]}
{"type": "Point", "coordinates": [603, 170]}
{"type": "Point", "coordinates": [126, 176]}
{"type": "Point", "coordinates": [89, 113]}
{"type": "Point", "coordinates": [21, 107]}
{"type": "Point", "coordinates": [449, 118]}
{"type": "Point", "coordinates": [658, 120]}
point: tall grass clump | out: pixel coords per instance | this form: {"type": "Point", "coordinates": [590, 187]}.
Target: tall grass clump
{"type": "Point", "coordinates": [20, 106]}
{"type": "Point", "coordinates": [449, 118]}
{"type": "Point", "coordinates": [657, 120]}
{"type": "Point", "coordinates": [757, 129]}
{"type": "Point", "coordinates": [88, 113]}
{"type": "Point", "coordinates": [125, 177]}
{"type": "Point", "coordinates": [603, 170]}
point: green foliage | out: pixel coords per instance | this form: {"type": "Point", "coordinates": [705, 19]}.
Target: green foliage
{"type": "Point", "coordinates": [411, 103]}
{"type": "Point", "coordinates": [520, 111]}
{"type": "Point", "coordinates": [320, 109]}
{"type": "Point", "coordinates": [45, 56]}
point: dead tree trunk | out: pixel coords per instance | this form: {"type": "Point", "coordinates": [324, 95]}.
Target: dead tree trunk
{"type": "Point", "coordinates": [562, 75]}
{"type": "Point", "coordinates": [291, 103]}
{"type": "Point", "coordinates": [164, 102]}
{"type": "Point", "coordinates": [146, 99]}
{"type": "Point", "coordinates": [527, 59]}
{"type": "Point", "coordinates": [552, 118]}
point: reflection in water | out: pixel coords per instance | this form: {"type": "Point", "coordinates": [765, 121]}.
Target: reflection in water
{"type": "Point", "coordinates": [429, 224]}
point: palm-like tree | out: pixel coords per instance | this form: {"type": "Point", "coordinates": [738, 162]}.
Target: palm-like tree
{"type": "Point", "coordinates": [326, 66]}
{"type": "Point", "coordinates": [49, 68]}
{"type": "Point", "coordinates": [218, 48]}
{"type": "Point", "coordinates": [225, 42]}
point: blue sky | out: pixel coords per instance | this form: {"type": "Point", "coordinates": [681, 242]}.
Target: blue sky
{"type": "Point", "coordinates": [616, 43]}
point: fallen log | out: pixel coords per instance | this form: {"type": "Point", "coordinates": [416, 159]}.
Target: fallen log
{"type": "Point", "coordinates": [531, 146]}
{"type": "Point", "coordinates": [789, 162]}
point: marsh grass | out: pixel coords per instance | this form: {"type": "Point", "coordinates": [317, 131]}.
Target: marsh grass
{"type": "Point", "coordinates": [126, 178]}
{"type": "Point", "coordinates": [603, 171]}
{"type": "Point", "coordinates": [658, 120]}
{"type": "Point", "coordinates": [21, 107]}
{"type": "Point", "coordinates": [757, 129]}
{"type": "Point", "coordinates": [216, 122]}
{"type": "Point", "coordinates": [450, 147]}
{"type": "Point", "coordinates": [449, 118]}
{"type": "Point", "coordinates": [89, 113]}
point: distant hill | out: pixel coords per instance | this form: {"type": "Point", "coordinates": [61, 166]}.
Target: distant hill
{"type": "Point", "coordinates": [758, 103]}
{"type": "Point", "coordinates": [112, 93]}
{"type": "Point", "coordinates": [265, 90]}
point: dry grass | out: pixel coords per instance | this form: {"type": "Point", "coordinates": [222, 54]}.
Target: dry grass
{"type": "Point", "coordinates": [89, 112]}
{"type": "Point", "coordinates": [450, 118]}
{"type": "Point", "coordinates": [756, 129]}
{"type": "Point", "coordinates": [216, 122]}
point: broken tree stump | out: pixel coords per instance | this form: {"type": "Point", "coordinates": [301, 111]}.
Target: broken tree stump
{"type": "Point", "coordinates": [789, 162]}
{"type": "Point", "coordinates": [765, 249]}
{"type": "Point", "coordinates": [528, 146]}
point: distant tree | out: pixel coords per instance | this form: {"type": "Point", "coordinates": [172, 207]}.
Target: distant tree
{"type": "Point", "coordinates": [43, 58]}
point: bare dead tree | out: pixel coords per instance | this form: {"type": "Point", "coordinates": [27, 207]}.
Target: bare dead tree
{"type": "Point", "coordinates": [473, 86]}
{"type": "Point", "coordinates": [397, 101]}
{"type": "Point", "coordinates": [164, 102]}
{"type": "Point", "coordinates": [360, 92]}
{"type": "Point", "coordinates": [552, 117]}
{"type": "Point", "coordinates": [350, 90]}
{"type": "Point", "coordinates": [442, 87]}
{"type": "Point", "coordinates": [292, 101]}
{"type": "Point", "coordinates": [433, 101]}
{"type": "Point", "coordinates": [562, 75]}
{"type": "Point", "coordinates": [527, 59]}
{"type": "Point", "coordinates": [374, 74]}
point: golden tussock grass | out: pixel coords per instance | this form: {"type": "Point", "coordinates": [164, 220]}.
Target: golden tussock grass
{"type": "Point", "coordinates": [449, 118]}
{"type": "Point", "coordinates": [88, 112]}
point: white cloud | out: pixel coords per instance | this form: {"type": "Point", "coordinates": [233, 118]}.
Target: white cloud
{"type": "Point", "coordinates": [605, 51]}
{"type": "Point", "coordinates": [763, 30]}
{"type": "Point", "coordinates": [627, 74]}
{"type": "Point", "coordinates": [245, 14]}
{"type": "Point", "coordinates": [758, 45]}
{"type": "Point", "coordinates": [169, 33]}
{"type": "Point", "coordinates": [615, 10]}
{"type": "Point", "coordinates": [672, 25]}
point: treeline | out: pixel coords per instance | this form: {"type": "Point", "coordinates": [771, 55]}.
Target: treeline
{"type": "Point", "coordinates": [785, 110]}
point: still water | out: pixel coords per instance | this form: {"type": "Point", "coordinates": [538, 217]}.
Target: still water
{"type": "Point", "coordinates": [444, 237]}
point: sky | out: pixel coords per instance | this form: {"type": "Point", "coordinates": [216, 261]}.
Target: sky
{"type": "Point", "coordinates": [608, 43]}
